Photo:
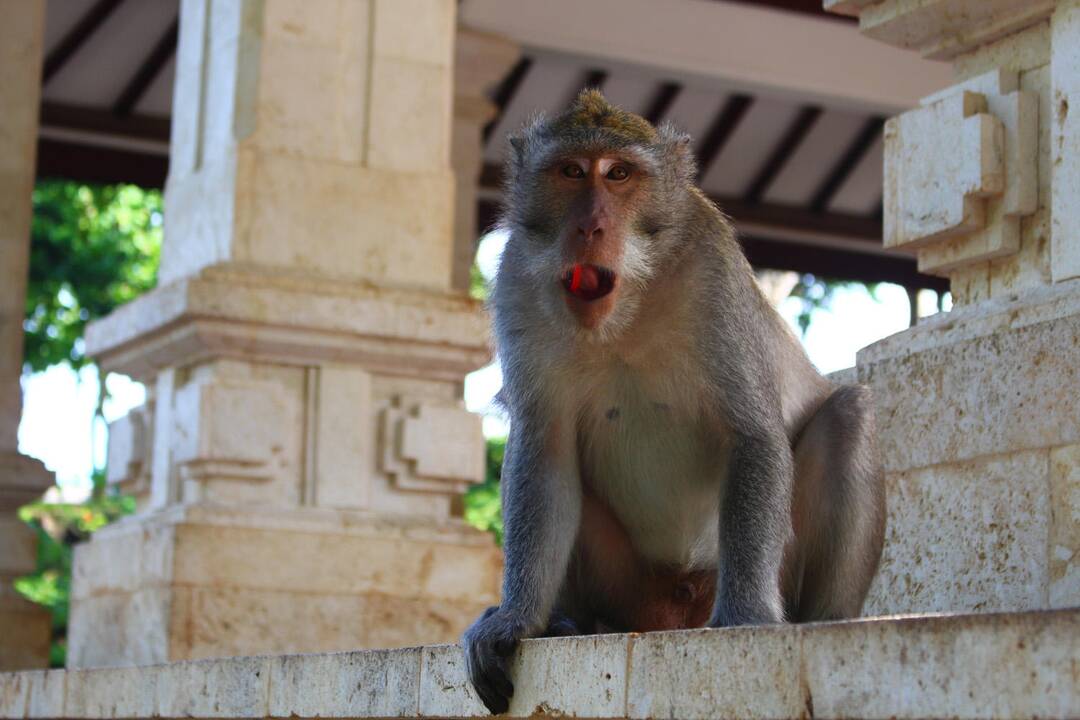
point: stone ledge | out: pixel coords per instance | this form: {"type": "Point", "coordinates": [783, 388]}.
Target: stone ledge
{"type": "Point", "coordinates": [240, 311]}
{"type": "Point", "coordinates": [1005, 665]}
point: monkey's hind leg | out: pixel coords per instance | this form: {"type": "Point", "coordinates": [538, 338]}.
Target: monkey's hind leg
{"type": "Point", "coordinates": [838, 512]}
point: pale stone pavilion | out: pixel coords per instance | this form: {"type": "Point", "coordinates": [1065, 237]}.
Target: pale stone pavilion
{"type": "Point", "coordinates": [300, 458]}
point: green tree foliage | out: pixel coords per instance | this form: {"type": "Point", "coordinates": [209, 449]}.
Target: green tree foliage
{"type": "Point", "coordinates": [59, 526]}
{"type": "Point", "coordinates": [92, 249]}
{"type": "Point", "coordinates": [483, 503]}
{"type": "Point", "coordinates": [816, 293]}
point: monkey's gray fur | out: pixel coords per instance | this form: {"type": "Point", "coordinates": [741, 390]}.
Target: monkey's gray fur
{"type": "Point", "coordinates": [684, 443]}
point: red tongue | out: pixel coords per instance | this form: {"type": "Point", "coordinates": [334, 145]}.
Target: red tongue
{"type": "Point", "coordinates": [584, 280]}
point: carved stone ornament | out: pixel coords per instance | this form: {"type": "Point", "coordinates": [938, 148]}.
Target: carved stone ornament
{"type": "Point", "coordinates": [960, 172]}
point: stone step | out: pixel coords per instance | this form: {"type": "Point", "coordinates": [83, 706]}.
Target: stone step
{"type": "Point", "coordinates": [1007, 665]}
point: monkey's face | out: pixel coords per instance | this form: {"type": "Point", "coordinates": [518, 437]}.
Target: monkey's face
{"type": "Point", "coordinates": [588, 238]}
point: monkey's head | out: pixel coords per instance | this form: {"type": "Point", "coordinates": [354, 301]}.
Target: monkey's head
{"type": "Point", "coordinates": [594, 198]}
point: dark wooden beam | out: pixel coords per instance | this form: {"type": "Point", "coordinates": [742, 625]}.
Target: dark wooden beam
{"type": "Point", "coordinates": [662, 101]}
{"type": "Point", "coordinates": [852, 156]}
{"type": "Point", "coordinates": [721, 130]}
{"type": "Point", "coordinates": [855, 227]}
{"type": "Point", "coordinates": [505, 91]}
{"type": "Point", "coordinates": [834, 263]}
{"type": "Point", "coordinates": [164, 49]}
{"type": "Point", "coordinates": [77, 37]}
{"type": "Point", "coordinates": [95, 164]}
{"type": "Point", "coordinates": [594, 80]}
{"type": "Point", "coordinates": [806, 7]}
{"type": "Point", "coordinates": [797, 131]}
{"type": "Point", "coordinates": [74, 117]}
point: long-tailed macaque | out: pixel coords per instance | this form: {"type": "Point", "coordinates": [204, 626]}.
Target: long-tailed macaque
{"type": "Point", "coordinates": [674, 458]}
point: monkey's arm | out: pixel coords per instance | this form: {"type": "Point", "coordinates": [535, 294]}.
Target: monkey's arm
{"type": "Point", "coordinates": [754, 528]}
{"type": "Point", "coordinates": [755, 520]}
{"type": "Point", "coordinates": [541, 505]}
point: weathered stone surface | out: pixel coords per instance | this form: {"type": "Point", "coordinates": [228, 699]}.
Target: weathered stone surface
{"type": "Point", "coordinates": [997, 666]}
{"type": "Point", "coordinates": [987, 382]}
{"type": "Point", "coordinates": [1064, 536]}
{"type": "Point", "coordinates": [1065, 152]}
{"type": "Point", "coordinates": [989, 666]}
{"type": "Point", "coordinates": [737, 672]}
{"type": "Point", "coordinates": [209, 582]}
{"type": "Point", "coordinates": [966, 537]}
{"type": "Point", "coordinates": [379, 683]}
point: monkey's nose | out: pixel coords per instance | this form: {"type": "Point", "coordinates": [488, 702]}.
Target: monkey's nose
{"type": "Point", "coordinates": [590, 231]}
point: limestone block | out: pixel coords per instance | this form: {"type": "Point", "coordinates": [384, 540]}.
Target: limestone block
{"type": "Point", "coordinates": [411, 131]}
{"type": "Point", "coordinates": [735, 672]}
{"type": "Point", "coordinates": [380, 683]}
{"type": "Point", "coordinates": [225, 688]}
{"type": "Point", "coordinates": [46, 691]}
{"type": "Point", "coordinates": [345, 428]}
{"type": "Point", "coordinates": [995, 666]}
{"type": "Point", "coordinates": [987, 382]}
{"type": "Point", "coordinates": [416, 30]}
{"type": "Point", "coordinates": [391, 225]}
{"type": "Point", "coordinates": [966, 537]}
{"type": "Point", "coordinates": [445, 690]}
{"type": "Point", "coordinates": [123, 628]}
{"type": "Point", "coordinates": [1065, 142]}
{"type": "Point", "coordinates": [113, 692]}
{"type": "Point", "coordinates": [571, 677]}
{"type": "Point", "coordinates": [943, 29]}
{"type": "Point", "coordinates": [313, 75]}
{"type": "Point", "coordinates": [1064, 541]}
{"type": "Point", "coordinates": [228, 430]}
{"type": "Point", "coordinates": [14, 688]}
{"type": "Point", "coordinates": [129, 458]}
{"type": "Point", "coordinates": [222, 621]}
{"type": "Point", "coordinates": [1023, 51]}
{"type": "Point", "coordinates": [436, 449]}
{"type": "Point", "coordinates": [961, 172]}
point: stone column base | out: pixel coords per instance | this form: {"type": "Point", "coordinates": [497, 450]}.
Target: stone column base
{"type": "Point", "coordinates": [979, 423]}
{"type": "Point", "coordinates": [200, 581]}
{"type": "Point", "coordinates": [25, 628]}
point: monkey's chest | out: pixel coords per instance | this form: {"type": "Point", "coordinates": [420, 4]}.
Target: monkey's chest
{"type": "Point", "coordinates": [659, 470]}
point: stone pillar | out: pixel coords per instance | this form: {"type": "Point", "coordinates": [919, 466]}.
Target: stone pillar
{"type": "Point", "coordinates": [481, 60]}
{"type": "Point", "coordinates": [979, 409]}
{"type": "Point", "coordinates": [24, 627]}
{"type": "Point", "coordinates": [301, 457]}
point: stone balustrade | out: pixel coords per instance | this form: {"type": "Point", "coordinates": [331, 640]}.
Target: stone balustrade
{"type": "Point", "coordinates": [989, 665]}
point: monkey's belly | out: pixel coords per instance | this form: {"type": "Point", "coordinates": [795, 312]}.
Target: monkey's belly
{"type": "Point", "coordinates": [626, 592]}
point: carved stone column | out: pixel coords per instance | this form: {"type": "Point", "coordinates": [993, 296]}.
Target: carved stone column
{"type": "Point", "coordinates": [24, 627]}
{"type": "Point", "coordinates": [300, 459]}
{"type": "Point", "coordinates": [979, 409]}
{"type": "Point", "coordinates": [481, 60]}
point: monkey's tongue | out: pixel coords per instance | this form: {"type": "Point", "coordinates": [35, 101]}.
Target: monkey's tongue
{"type": "Point", "coordinates": [589, 282]}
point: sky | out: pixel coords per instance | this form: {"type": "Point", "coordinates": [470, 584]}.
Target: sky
{"type": "Point", "coordinates": [58, 404]}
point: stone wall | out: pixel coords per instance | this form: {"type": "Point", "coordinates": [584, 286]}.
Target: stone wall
{"type": "Point", "coordinates": [989, 666]}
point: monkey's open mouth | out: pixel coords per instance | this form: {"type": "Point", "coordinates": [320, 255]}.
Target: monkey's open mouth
{"type": "Point", "coordinates": [588, 282]}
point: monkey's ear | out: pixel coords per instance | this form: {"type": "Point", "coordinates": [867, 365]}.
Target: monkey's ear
{"type": "Point", "coordinates": [678, 150]}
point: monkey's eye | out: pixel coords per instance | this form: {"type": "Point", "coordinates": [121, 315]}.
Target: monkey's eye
{"type": "Point", "coordinates": [573, 171]}
{"type": "Point", "coordinates": [618, 173]}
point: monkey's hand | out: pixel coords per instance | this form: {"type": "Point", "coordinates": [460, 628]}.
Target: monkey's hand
{"type": "Point", "coordinates": [489, 644]}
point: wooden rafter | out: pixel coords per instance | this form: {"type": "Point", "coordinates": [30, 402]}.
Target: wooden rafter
{"type": "Point", "coordinates": [505, 92]}
{"type": "Point", "coordinates": [76, 117]}
{"type": "Point", "coordinates": [94, 18]}
{"type": "Point", "coordinates": [140, 82]}
{"type": "Point", "coordinates": [848, 161]}
{"type": "Point", "coordinates": [721, 130]}
{"type": "Point", "coordinates": [798, 130]}
{"type": "Point", "coordinates": [662, 101]}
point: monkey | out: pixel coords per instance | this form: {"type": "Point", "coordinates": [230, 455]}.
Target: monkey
{"type": "Point", "coordinates": [674, 458]}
